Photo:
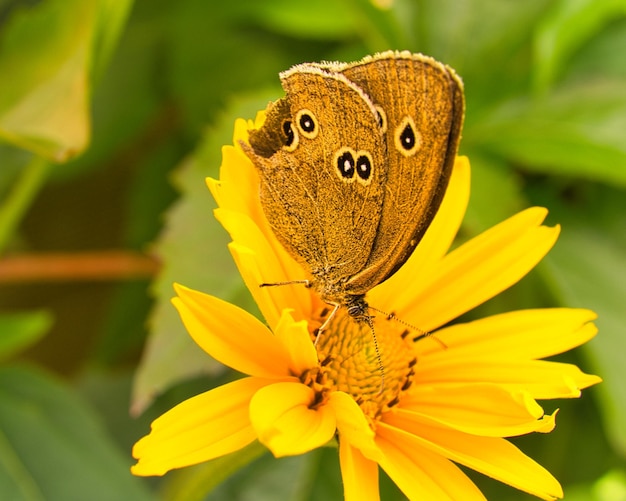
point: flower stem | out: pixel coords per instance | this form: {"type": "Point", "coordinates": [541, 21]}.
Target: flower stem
{"type": "Point", "coordinates": [101, 265]}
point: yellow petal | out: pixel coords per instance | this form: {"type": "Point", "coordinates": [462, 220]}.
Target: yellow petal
{"type": "Point", "coordinates": [259, 119]}
{"type": "Point", "coordinates": [238, 183]}
{"type": "Point", "coordinates": [494, 457]}
{"type": "Point", "coordinates": [359, 474]}
{"type": "Point", "coordinates": [271, 300]}
{"type": "Point", "coordinates": [297, 342]}
{"type": "Point", "coordinates": [215, 187]}
{"type": "Point", "coordinates": [241, 213]}
{"type": "Point", "coordinates": [231, 335]}
{"type": "Point", "coordinates": [433, 246]}
{"type": "Point", "coordinates": [517, 335]}
{"type": "Point", "coordinates": [241, 130]}
{"type": "Point", "coordinates": [481, 409]}
{"type": "Point", "coordinates": [420, 473]}
{"type": "Point", "coordinates": [245, 231]}
{"type": "Point", "coordinates": [243, 126]}
{"type": "Point", "coordinates": [203, 427]}
{"type": "Point", "coordinates": [352, 425]}
{"type": "Point", "coordinates": [478, 270]}
{"type": "Point", "coordinates": [266, 262]}
{"type": "Point", "coordinates": [285, 422]}
{"type": "Point", "coordinates": [540, 378]}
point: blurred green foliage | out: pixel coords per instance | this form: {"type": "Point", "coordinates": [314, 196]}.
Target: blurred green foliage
{"type": "Point", "coordinates": [113, 113]}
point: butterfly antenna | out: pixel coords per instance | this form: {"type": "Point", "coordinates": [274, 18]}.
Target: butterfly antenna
{"type": "Point", "coordinates": [381, 367]}
{"type": "Point", "coordinates": [421, 333]}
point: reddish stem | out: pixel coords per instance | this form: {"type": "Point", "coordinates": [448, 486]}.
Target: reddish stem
{"type": "Point", "coordinates": [107, 265]}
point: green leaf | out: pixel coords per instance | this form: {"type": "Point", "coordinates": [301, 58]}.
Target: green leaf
{"type": "Point", "coordinates": [568, 26]}
{"type": "Point", "coordinates": [193, 483]}
{"type": "Point", "coordinates": [111, 19]}
{"type": "Point", "coordinates": [611, 487]}
{"type": "Point", "coordinates": [574, 131]}
{"type": "Point", "coordinates": [12, 160]}
{"type": "Point", "coordinates": [245, 57]}
{"type": "Point", "coordinates": [194, 253]}
{"type": "Point", "coordinates": [269, 479]}
{"type": "Point", "coordinates": [589, 272]}
{"type": "Point", "coordinates": [383, 28]}
{"type": "Point", "coordinates": [314, 476]}
{"type": "Point", "coordinates": [491, 176]}
{"type": "Point", "coordinates": [52, 447]}
{"type": "Point", "coordinates": [18, 331]}
{"type": "Point", "coordinates": [20, 198]}
{"type": "Point", "coordinates": [44, 105]}
{"type": "Point", "coordinates": [130, 112]}
{"type": "Point", "coordinates": [317, 19]}
{"type": "Point", "coordinates": [602, 55]}
{"type": "Point", "coordinates": [481, 39]}
{"type": "Point", "coordinates": [48, 51]}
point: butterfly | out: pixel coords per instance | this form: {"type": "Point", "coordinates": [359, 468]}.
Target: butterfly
{"type": "Point", "coordinates": [353, 163]}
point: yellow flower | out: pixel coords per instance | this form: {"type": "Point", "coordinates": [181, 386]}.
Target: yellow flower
{"type": "Point", "coordinates": [447, 398]}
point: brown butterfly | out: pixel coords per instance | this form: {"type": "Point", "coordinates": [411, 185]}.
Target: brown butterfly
{"type": "Point", "coordinates": [354, 162]}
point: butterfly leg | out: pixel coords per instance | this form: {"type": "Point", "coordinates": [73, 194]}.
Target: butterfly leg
{"type": "Point", "coordinates": [307, 283]}
{"type": "Point", "coordinates": [326, 322]}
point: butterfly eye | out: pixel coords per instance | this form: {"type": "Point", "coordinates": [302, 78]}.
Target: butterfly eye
{"type": "Point", "coordinates": [288, 131]}
{"type": "Point", "coordinates": [364, 167]}
{"type": "Point", "coordinates": [345, 164]}
{"type": "Point", "coordinates": [290, 136]}
{"type": "Point", "coordinates": [407, 138]}
{"type": "Point", "coordinates": [307, 123]}
{"type": "Point", "coordinates": [353, 165]}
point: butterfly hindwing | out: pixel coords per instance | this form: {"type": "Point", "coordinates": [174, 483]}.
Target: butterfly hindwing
{"type": "Point", "coordinates": [421, 106]}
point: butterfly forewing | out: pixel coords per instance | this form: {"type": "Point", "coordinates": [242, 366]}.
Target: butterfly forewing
{"type": "Point", "coordinates": [317, 201]}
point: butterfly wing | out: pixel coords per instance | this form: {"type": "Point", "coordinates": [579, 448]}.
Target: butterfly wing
{"type": "Point", "coordinates": [421, 107]}
{"type": "Point", "coordinates": [321, 163]}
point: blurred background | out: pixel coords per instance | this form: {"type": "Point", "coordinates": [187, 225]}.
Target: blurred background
{"type": "Point", "coordinates": [113, 112]}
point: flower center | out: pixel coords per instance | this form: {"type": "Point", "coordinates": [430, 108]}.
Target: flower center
{"type": "Point", "coordinates": [349, 361]}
